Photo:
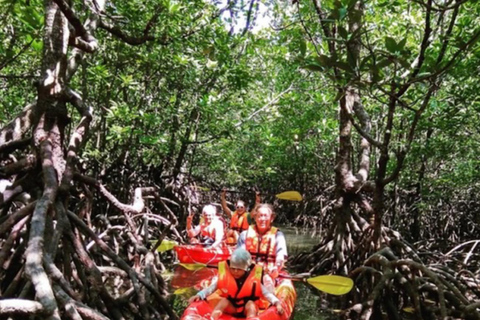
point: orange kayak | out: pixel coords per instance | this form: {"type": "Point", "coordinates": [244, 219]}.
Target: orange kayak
{"type": "Point", "coordinates": [194, 253]}
{"type": "Point", "coordinates": [285, 291]}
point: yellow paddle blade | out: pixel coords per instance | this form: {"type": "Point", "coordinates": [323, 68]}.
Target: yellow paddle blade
{"type": "Point", "coordinates": [193, 266]}
{"type": "Point", "coordinates": [181, 291]}
{"type": "Point", "coordinates": [290, 195]}
{"type": "Point", "coordinates": [166, 245]}
{"type": "Point", "coordinates": [332, 284]}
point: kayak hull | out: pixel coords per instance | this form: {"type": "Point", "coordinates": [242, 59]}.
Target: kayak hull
{"type": "Point", "coordinates": [285, 291]}
{"type": "Point", "coordinates": [199, 254]}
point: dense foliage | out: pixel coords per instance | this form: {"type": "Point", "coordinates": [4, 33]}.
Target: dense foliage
{"type": "Point", "coordinates": [192, 97]}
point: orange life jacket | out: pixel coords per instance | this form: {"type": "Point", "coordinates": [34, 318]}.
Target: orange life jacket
{"type": "Point", "coordinates": [239, 222]}
{"type": "Point", "coordinates": [207, 232]}
{"type": "Point", "coordinates": [262, 247]}
{"type": "Point", "coordinates": [250, 290]}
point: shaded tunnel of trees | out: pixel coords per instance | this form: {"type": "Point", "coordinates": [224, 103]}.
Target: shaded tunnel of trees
{"type": "Point", "coordinates": [120, 117]}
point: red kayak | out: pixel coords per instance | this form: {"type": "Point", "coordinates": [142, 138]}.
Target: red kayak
{"type": "Point", "coordinates": [285, 291]}
{"type": "Point", "coordinates": [196, 279]}
{"type": "Point", "coordinates": [194, 253]}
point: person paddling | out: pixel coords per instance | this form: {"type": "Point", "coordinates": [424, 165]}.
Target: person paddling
{"type": "Point", "coordinates": [239, 219]}
{"type": "Point", "coordinates": [210, 231]}
{"type": "Point", "coordinates": [240, 285]}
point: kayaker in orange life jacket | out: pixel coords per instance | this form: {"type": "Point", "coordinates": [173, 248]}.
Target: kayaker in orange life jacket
{"type": "Point", "coordinates": [264, 242]}
{"type": "Point", "coordinates": [240, 285]}
{"type": "Point", "coordinates": [210, 232]}
{"type": "Point", "coordinates": [239, 219]}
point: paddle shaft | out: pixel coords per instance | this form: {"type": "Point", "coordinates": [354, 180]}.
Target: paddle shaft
{"type": "Point", "coordinates": [331, 284]}
{"type": "Point", "coordinates": [234, 191]}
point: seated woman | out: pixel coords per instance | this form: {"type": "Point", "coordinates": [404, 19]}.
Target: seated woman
{"type": "Point", "coordinates": [239, 285]}
{"type": "Point", "coordinates": [210, 232]}
{"type": "Point", "coordinates": [239, 219]}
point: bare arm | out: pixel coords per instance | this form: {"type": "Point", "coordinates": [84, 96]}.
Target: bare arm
{"type": "Point", "coordinates": [281, 254]}
{"type": "Point", "coordinates": [269, 295]}
{"type": "Point", "coordinates": [203, 294]}
{"type": "Point", "coordinates": [218, 233]}
{"type": "Point", "coordinates": [191, 232]}
{"type": "Point", "coordinates": [257, 203]}
{"type": "Point", "coordinates": [225, 207]}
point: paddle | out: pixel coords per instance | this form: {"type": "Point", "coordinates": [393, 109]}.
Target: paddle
{"type": "Point", "coordinates": [181, 291]}
{"type": "Point", "coordinates": [286, 195]}
{"type": "Point", "coordinates": [331, 284]}
{"type": "Point", "coordinates": [167, 245]}
{"type": "Point", "coordinates": [290, 195]}
{"type": "Point", "coordinates": [195, 266]}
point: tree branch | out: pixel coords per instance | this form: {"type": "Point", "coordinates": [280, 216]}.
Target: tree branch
{"type": "Point", "coordinates": [116, 31]}
{"type": "Point", "coordinates": [11, 146]}
{"type": "Point", "coordinates": [249, 17]}
{"type": "Point", "coordinates": [77, 137]}
{"type": "Point", "coordinates": [90, 42]}
{"type": "Point", "coordinates": [122, 264]}
{"type": "Point", "coordinates": [421, 56]}
{"type": "Point", "coordinates": [274, 100]}
{"type": "Point", "coordinates": [441, 8]}
{"type": "Point", "coordinates": [35, 250]}
{"type": "Point", "coordinates": [21, 306]}
{"type": "Point", "coordinates": [18, 127]}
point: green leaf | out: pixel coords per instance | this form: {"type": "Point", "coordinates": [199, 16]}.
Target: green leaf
{"type": "Point", "coordinates": [401, 44]}
{"type": "Point", "coordinates": [324, 60]}
{"type": "Point", "coordinates": [383, 63]}
{"type": "Point", "coordinates": [303, 47]}
{"type": "Point", "coordinates": [365, 63]}
{"type": "Point", "coordinates": [343, 65]}
{"type": "Point", "coordinates": [342, 13]}
{"type": "Point", "coordinates": [37, 45]}
{"type": "Point", "coordinates": [313, 67]}
{"type": "Point", "coordinates": [391, 44]}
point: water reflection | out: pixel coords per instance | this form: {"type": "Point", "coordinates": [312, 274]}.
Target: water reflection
{"type": "Point", "coordinates": [308, 300]}
{"type": "Point", "coordinates": [299, 239]}
{"type": "Point", "coordinates": [195, 279]}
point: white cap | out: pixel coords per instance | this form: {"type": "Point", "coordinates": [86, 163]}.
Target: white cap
{"type": "Point", "coordinates": [240, 259]}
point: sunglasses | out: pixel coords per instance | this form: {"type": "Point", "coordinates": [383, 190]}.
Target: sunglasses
{"type": "Point", "coordinates": [240, 207]}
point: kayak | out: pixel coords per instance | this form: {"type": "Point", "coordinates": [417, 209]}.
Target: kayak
{"type": "Point", "coordinates": [194, 253]}
{"type": "Point", "coordinates": [284, 290]}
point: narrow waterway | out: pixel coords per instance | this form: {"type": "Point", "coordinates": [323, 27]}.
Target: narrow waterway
{"type": "Point", "coordinates": [185, 283]}
{"type": "Point", "coordinates": [308, 299]}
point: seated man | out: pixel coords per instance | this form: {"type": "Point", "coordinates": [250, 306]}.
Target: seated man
{"type": "Point", "coordinates": [264, 242]}
{"type": "Point", "coordinates": [240, 287]}
{"type": "Point", "coordinates": [239, 219]}
{"type": "Point", "coordinates": [210, 231]}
